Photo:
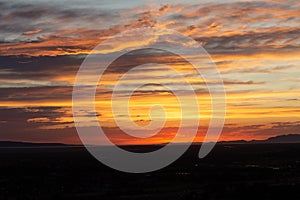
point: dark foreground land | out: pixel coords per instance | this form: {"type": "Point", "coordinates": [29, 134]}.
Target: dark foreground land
{"type": "Point", "coordinates": [234, 171]}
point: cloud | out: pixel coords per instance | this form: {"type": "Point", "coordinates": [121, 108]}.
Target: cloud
{"type": "Point", "coordinates": [26, 124]}
{"type": "Point", "coordinates": [235, 82]}
{"type": "Point", "coordinates": [255, 44]}
{"type": "Point", "coordinates": [38, 68]}
{"type": "Point", "coordinates": [47, 93]}
{"type": "Point", "coordinates": [32, 32]}
{"type": "Point", "coordinates": [230, 27]}
{"type": "Point", "coordinates": [270, 41]}
{"type": "Point", "coordinates": [260, 69]}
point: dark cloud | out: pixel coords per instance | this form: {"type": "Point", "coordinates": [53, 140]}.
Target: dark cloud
{"type": "Point", "coordinates": [236, 82]}
{"type": "Point", "coordinates": [16, 125]}
{"type": "Point", "coordinates": [38, 68]}
{"type": "Point", "coordinates": [48, 67]}
{"type": "Point", "coordinates": [253, 42]}
{"type": "Point", "coordinates": [233, 11]}
{"type": "Point", "coordinates": [259, 69]}
{"type": "Point", "coordinates": [27, 94]}
{"type": "Point", "coordinates": [23, 114]}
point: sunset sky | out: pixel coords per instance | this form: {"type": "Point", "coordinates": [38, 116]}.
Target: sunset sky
{"type": "Point", "coordinates": [254, 44]}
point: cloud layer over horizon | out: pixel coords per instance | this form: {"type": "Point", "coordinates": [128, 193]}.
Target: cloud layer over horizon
{"type": "Point", "coordinates": [255, 45]}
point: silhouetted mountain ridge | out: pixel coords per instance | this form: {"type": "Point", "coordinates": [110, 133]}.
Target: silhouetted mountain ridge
{"type": "Point", "coordinates": [290, 138]}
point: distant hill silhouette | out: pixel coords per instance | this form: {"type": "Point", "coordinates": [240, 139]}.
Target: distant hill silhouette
{"type": "Point", "coordinates": [290, 138]}
{"type": "Point", "coordinates": [234, 142]}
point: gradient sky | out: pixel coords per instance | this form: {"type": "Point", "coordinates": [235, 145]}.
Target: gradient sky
{"type": "Point", "coordinates": [255, 45]}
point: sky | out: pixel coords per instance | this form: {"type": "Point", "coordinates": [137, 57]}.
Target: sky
{"type": "Point", "coordinates": [254, 44]}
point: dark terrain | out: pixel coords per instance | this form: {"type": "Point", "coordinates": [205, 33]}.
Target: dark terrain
{"type": "Point", "coordinates": [230, 171]}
